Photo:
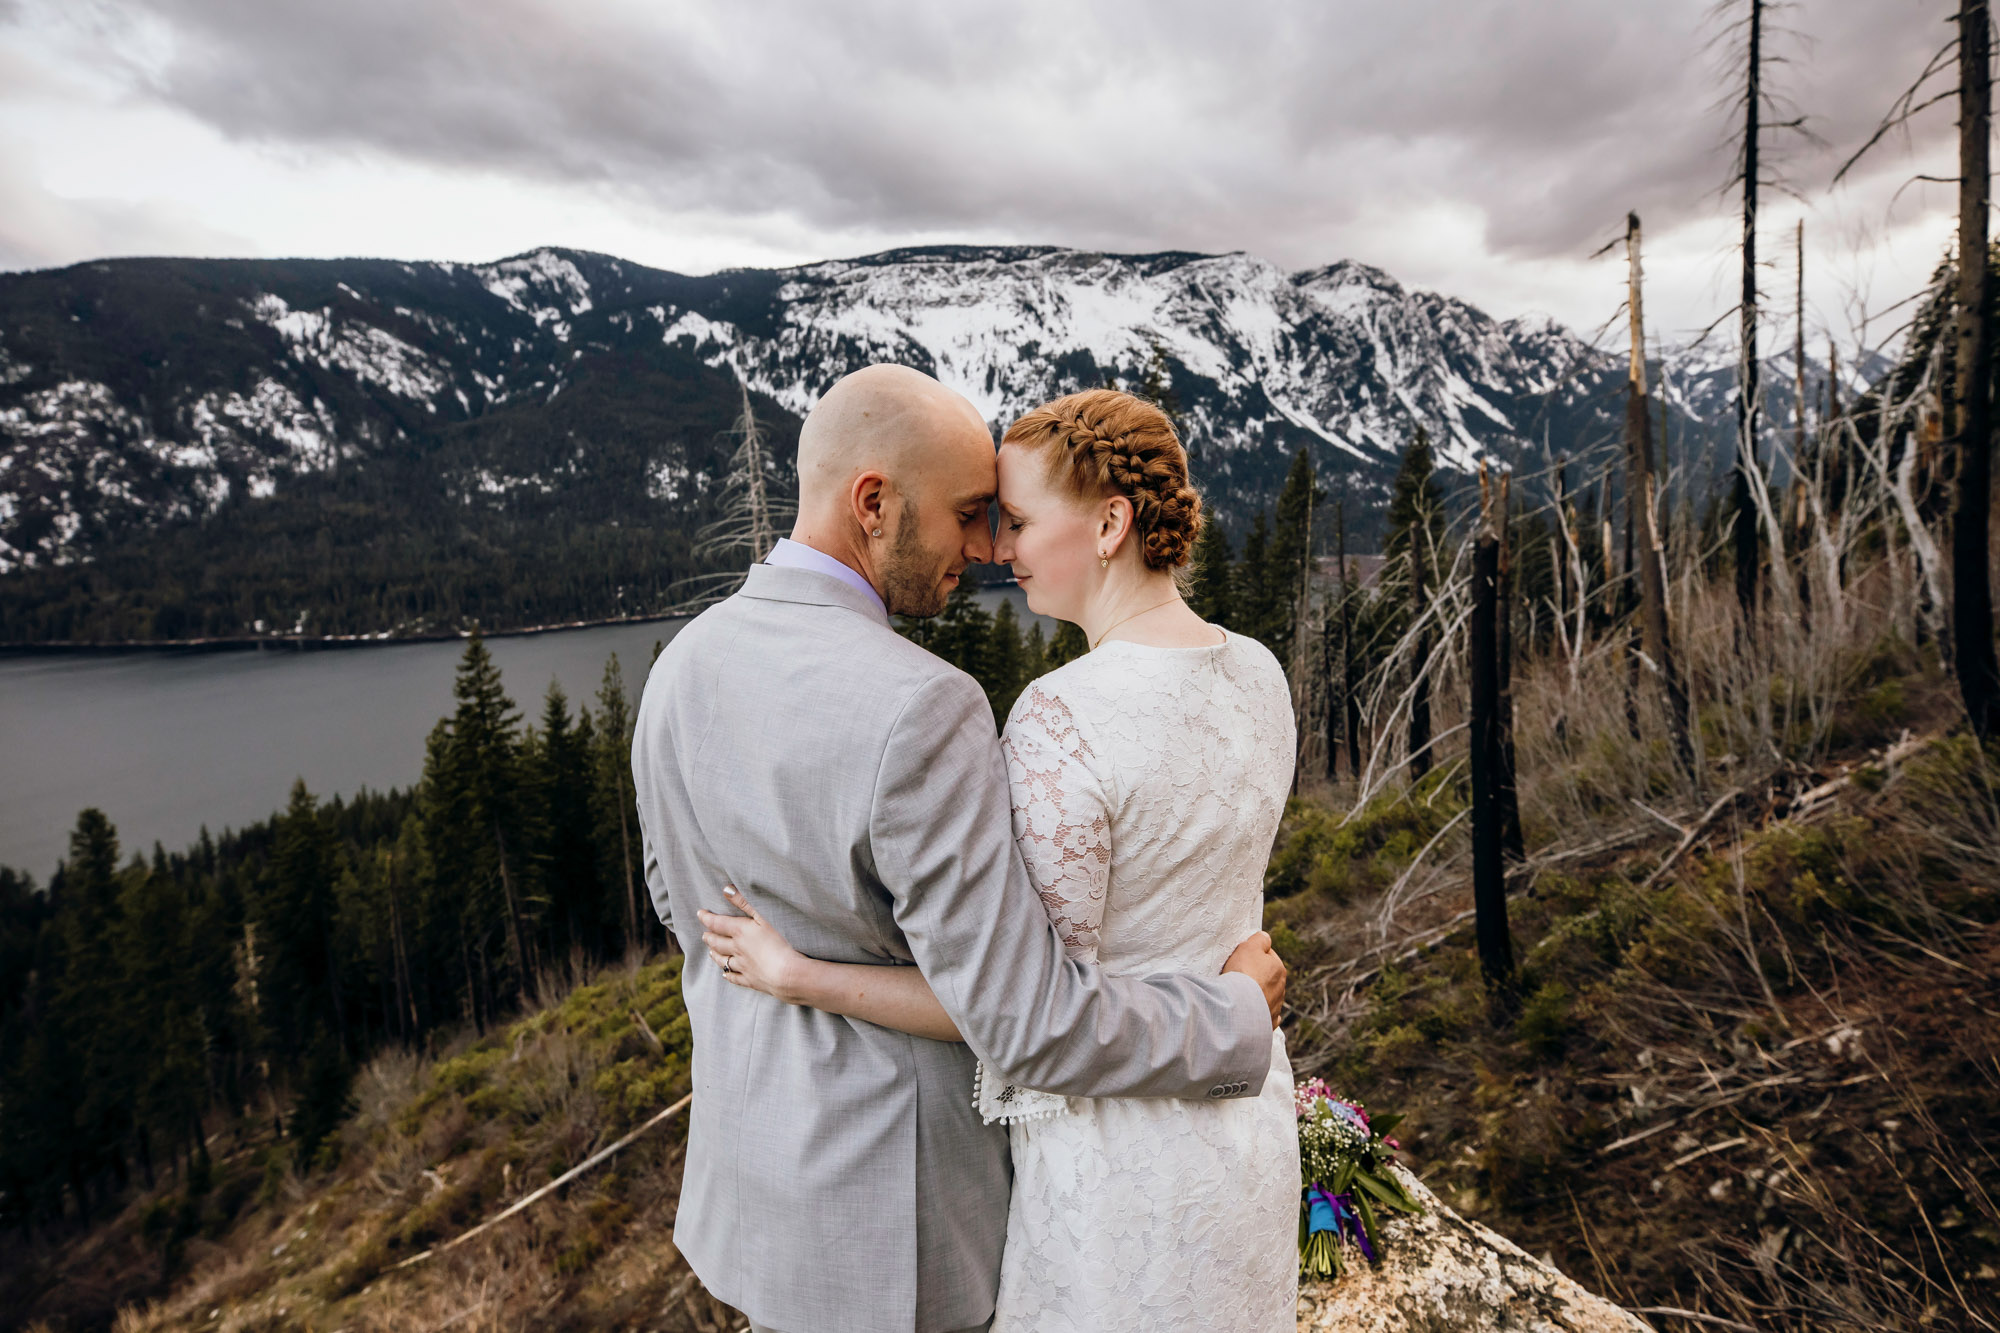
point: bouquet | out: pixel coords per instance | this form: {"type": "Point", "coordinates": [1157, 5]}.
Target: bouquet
{"type": "Point", "coordinates": [1344, 1160]}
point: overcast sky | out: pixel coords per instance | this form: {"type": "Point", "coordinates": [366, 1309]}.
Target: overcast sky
{"type": "Point", "coordinates": [1476, 148]}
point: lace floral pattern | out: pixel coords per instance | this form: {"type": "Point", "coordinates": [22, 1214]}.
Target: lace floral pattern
{"type": "Point", "coordinates": [1061, 819]}
{"type": "Point", "coordinates": [1147, 786]}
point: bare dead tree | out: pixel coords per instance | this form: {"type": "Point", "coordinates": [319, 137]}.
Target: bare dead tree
{"type": "Point", "coordinates": [1972, 46]}
{"type": "Point", "coordinates": [1489, 875]}
{"type": "Point", "coordinates": [1510, 798]}
{"type": "Point", "coordinates": [1745, 518]}
{"type": "Point", "coordinates": [751, 514]}
{"type": "Point", "coordinates": [1302, 691]}
{"type": "Point", "coordinates": [1420, 682]}
{"type": "Point", "coordinates": [1972, 593]}
{"type": "Point", "coordinates": [1642, 505]}
{"type": "Point", "coordinates": [1348, 689]}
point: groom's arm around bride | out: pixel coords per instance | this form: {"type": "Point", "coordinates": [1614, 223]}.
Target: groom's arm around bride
{"type": "Point", "coordinates": [837, 1176]}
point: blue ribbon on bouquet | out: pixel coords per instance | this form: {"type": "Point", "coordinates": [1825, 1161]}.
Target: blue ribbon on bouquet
{"type": "Point", "coordinates": [1327, 1211]}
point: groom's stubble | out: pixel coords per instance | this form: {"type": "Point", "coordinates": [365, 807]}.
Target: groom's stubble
{"type": "Point", "coordinates": [913, 575]}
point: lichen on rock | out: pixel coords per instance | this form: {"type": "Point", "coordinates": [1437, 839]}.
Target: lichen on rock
{"type": "Point", "coordinates": [1443, 1273]}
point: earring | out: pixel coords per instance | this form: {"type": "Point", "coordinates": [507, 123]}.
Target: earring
{"type": "Point", "coordinates": [878, 532]}
{"type": "Point", "coordinates": [1103, 560]}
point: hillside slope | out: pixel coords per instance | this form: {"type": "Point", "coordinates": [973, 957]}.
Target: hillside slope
{"type": "Point", "coordinates": [1756, 1082]}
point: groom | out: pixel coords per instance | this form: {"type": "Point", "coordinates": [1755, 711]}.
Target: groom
{"type": "Point", "coordinates": [838, 1179]}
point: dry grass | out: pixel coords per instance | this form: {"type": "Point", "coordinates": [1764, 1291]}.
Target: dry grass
{"type": "Point", "coordinates": [434, 1146]}
{"type": "Point", "coordinates": [1752, 1065]}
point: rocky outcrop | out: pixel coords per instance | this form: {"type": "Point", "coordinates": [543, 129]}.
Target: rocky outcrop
{"type": "Point", "coordinates": [1442, 1273]}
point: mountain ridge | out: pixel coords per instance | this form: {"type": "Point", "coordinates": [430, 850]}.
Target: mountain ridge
{"type": "Point", "coordinates": [152, 403]}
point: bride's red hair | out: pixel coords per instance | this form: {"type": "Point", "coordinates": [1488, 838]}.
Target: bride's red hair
{"type": "Point", "coordinates": [1102, 442]}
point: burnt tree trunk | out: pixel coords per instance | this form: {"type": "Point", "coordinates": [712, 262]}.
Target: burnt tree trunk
{"type": "Point", "coordinates": [1489, 872]}
{"type": "Point", "coordinates": [1745, 527]}
{"type": "Point", "coordinates": [1420, 670]}
{"type": "Point", "coordinates": [1510, 797]}
{"type": "Point", "coordinates": [1351, 703]}
{"type": "Point", "coordinates": [1972, 593]}
{"type": "Point", "coordinates": [1802, 476]}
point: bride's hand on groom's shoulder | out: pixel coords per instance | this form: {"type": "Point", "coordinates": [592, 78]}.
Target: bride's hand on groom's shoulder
{"type": "Point", "coordinates": [1256, 959]}
{"type": "Point", "coordinates": [750, 952]}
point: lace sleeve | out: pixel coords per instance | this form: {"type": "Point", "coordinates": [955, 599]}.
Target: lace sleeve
{"type": "Point", "coordinates": [1062, 817]}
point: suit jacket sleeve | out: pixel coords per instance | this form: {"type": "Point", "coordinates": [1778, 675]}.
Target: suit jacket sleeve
{"type": "Point", "coordinates": [941, 832]}
{"type": "Point", "coordinates": [656, 880]}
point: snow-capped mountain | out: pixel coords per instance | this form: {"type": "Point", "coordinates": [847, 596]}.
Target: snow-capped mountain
{"type": "Point", "coordinates": [1343, 354]}
{"type": "Point", "coordinates": [138, 396]}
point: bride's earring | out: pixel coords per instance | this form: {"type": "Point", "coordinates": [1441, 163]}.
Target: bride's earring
{"type": "Point", "coordinates": [1103, 560]}
{"type": "Point", "coordinates": [878, 532]}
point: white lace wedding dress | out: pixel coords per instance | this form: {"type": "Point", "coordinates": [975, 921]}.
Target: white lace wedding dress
{"type": "Point", "coordinates": [1147, 786]}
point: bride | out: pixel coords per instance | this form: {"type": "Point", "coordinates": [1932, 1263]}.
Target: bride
{"type": "Point", "coordinates": [1148, 779]}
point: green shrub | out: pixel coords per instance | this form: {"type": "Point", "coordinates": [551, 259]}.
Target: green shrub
{"type": "Point", "coordinates": [1317, 852]}
{"type": "Point", "coordinates": [1545, 1022]}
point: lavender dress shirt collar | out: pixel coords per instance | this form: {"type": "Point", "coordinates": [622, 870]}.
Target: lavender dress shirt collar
{"type": "Point", "coordinates": [797, 555]}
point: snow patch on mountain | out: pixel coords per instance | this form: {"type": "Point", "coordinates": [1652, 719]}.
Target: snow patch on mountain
{"type": "Point", "coordinates": [528, 282]}
{"type": "Point", "coordinates": [273, 411]}
{"type": "Point", "coordinates": [372, 355]}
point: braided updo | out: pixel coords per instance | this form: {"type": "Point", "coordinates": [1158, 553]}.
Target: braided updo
{"type": "Point", "coordinates": [1102, 442]}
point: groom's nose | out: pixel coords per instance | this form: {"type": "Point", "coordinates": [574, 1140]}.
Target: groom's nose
{"type": "Point", "coordinates": [979, 543]}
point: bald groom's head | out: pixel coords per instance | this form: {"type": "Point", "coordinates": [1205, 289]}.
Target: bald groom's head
{"type": "Point", "coordinates": [895, 475]}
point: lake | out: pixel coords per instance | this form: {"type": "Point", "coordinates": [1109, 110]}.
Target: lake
{"type": "Point", "coordinates": [165, 741]}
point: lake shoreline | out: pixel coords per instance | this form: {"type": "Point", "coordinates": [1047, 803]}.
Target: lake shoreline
{"type": "Point", "coordinates": [166, 737]}
{"type": "Point", "coordinates": [309, 643]}
{"type": "Point", "coordinates": [305, 643]}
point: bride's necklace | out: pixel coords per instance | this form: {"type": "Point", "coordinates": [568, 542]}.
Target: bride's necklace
{"type": "Point", "coordinates": [1134, 616]}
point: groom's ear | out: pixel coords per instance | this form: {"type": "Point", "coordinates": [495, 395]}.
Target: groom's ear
{"type": "Point", "coordinates": [869, 498]}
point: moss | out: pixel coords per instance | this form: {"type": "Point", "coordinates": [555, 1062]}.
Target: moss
{"type": "Point", "coordinates": [1317, 852]}
{"type": "Point", "coordinates": [1546, 1021]}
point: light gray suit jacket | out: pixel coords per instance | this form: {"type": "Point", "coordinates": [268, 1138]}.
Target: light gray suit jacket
{"type": "Point", "coordinates": [850, 784]}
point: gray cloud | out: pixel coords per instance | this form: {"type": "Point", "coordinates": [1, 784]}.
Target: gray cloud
{"type": "Point", "coordinates": [1287, 129]}
{"type": "Point", "coordinates": [1130, 123]}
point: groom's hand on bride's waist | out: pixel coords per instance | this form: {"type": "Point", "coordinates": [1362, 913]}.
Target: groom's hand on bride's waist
{"type": "Point", "coordinates": [1255, 959]}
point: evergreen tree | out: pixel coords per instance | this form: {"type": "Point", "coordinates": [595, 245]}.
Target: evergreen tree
{"type": "Point", "coordinates": [96, 1033]}
{"type": "Point", "coordinates": [560, 767]}
{"type": "Point", "coordinates": [298, 978]}
{"type": "Point", "coordinates": [323, 1099]}
{"type": "Point", "coordinates": [615, 813]}
{"type": "Point", "coordinates": [1004, 663]}
{"type": "Point", "coordinates": [161, 991]}
{"type": "Point", "coordinates": [962, 632]}
{"type": "Point", "coordinates": [21, 917]}
{"type": "Point", "coordinates": [1034, 655]}
{"type": "Point", "coordinates": [1416, 505]}
{"type": "Point", "coordinates": [1291, 541]}
{"type": "Point", "coordinates": [1258, 594]}
{"type": "Point", "coordinates": [40, 1150]}
{"type": "Point", "coordinates": [1156, 383]}
{"type": "Point", "coordinates": [1066, 644]}
{"type": "Point", "coordinates": [1213, 574]}
{"type": "Point", "coordinates": [483, 829]}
